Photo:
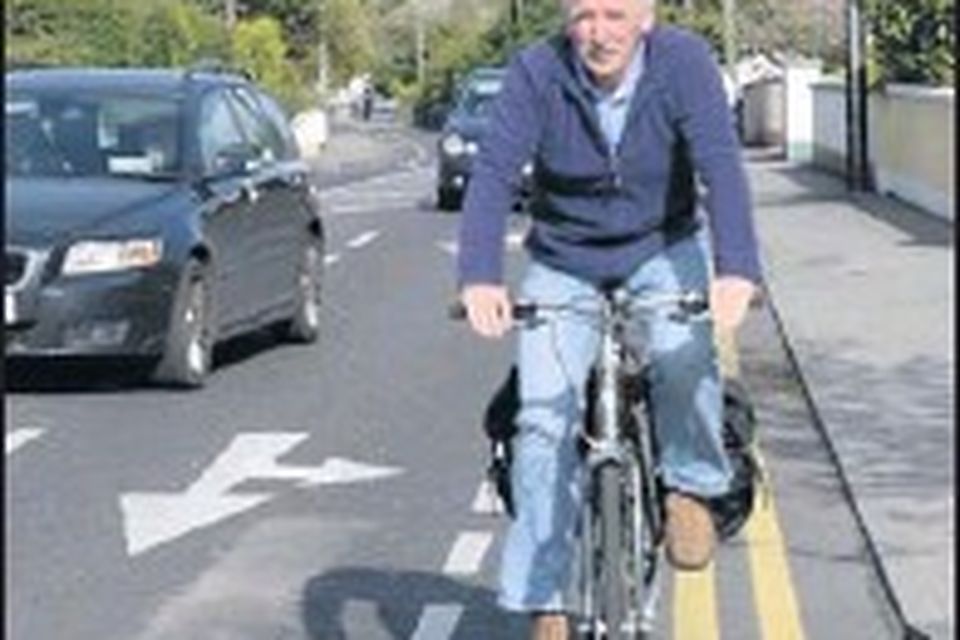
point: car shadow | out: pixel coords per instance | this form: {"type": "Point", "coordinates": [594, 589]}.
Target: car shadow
{"type": "Point", "coordinates": [391, 604]}
{"type": "Point", "coordinates": [74, 375]}
{"type": "Point", "coordinates": [119, 374]}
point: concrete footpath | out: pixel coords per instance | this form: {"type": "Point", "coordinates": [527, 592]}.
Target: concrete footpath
{"type": "Point", "coordinates": [863, 290]}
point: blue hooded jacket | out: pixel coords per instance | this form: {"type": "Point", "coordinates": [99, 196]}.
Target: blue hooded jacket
{"type": "Point", "coordinates": [599, 213]}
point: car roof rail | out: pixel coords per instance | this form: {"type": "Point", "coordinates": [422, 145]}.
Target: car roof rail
{"type": "Point", "coordinates": [215, 66]}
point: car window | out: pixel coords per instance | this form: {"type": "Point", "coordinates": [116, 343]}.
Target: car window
{"type": "Point", "coordinates": [476, 104]}
{"type": "Point", "coordinates": [279, 120]}
{"type": "Point", "coordinates": [28, 149]}
{"type": "Point", "coordinates": [92, 133]}
{"type": "Point", "coordinates": [218, 128]}
{"type": "Point", "coordinates": [255, 125]}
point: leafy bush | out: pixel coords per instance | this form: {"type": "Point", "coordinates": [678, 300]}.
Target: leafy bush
{"type": "Point", "coordinates": [913, 41]}
{"type": "Point", "coordinates": [176, 34]}
{"type": "Point", "coordinates": [258, 46]}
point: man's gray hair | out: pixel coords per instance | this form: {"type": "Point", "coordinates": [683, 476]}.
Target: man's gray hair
{"type": "Point", "coordinates": [650, 3]}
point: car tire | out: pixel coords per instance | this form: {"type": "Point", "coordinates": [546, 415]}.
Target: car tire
{"type": "Point", "coordinates": [449, 199]}
{"type": "Point", "coordinates": [304, 326]}
{"type": "Point", "coordinates": [188, 351]}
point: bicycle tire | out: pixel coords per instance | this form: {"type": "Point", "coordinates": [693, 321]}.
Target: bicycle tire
{"type": "Point", "coordinates": [613, 587]}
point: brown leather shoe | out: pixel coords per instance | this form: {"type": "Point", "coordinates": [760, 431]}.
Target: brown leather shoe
{"type": "Point", "coordinates": [549, 626]}
{"type": "Point", "coordinates": [690, 533]}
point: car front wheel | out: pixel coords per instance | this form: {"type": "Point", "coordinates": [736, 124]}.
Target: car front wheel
{"type": "Point", "coordinates": [188, 352]}
{"type": "Point", "coordinates": [449, 199]}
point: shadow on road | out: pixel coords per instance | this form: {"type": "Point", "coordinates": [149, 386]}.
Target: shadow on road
{"type": "Point", "coordinates": [399, 599]}
{"type": "Point", "coordinates": [115, 374]}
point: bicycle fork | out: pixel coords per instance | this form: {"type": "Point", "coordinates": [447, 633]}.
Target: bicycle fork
{"type": "Point", "coordinates": [606, 446]}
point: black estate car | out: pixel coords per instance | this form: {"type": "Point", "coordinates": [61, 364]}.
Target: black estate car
{"type": "Point", "coordinates": [152, 213]}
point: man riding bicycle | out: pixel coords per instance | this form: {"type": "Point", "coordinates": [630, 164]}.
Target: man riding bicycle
{"type": "Point", "coordinates": [620, 117]}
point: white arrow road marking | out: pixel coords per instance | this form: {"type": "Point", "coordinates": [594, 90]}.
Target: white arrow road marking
{"type": "Point", "coordinates": [151, 519]}
{"type": "Point", "coordinates": [363, 239]}
{"type": "Point", "coordinates": [19, 437]}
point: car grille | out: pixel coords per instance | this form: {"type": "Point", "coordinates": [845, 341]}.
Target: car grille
{"type": "Point", "coordinates": [15, 268]}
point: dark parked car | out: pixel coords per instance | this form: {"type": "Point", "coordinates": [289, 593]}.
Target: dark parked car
{"type": "Point", "coordinates": [460, 138]}
{"type": "Point", "coordinates": [152, 213]}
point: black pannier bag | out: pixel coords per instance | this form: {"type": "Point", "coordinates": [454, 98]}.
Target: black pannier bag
{"type": "Point", "coordinates": [499, 423]}
{"type": "Point", "coordinates": [730, 511]}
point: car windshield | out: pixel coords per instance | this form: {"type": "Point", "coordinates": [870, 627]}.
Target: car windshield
{"type": "Point", "coordinates": [479, 95]}
{"type": "Point", "coordinates": [87, 134]}
{"type": "Point", "coordinates": [477, 104]}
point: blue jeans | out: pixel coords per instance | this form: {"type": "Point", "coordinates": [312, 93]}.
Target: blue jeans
{"type": "Point", "coordinates": [554, 360]}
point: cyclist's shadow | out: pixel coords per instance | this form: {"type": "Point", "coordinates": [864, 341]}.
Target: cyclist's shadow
{"type": "Point", "coordinates": [399, 599]}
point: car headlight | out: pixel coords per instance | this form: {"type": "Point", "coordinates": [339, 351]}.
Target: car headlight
{"type": "Point", "coordinates": [99, 256]}
{"type": "Point", "coordinates": [453, 145]}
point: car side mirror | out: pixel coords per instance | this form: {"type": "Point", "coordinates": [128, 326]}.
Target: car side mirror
{"type": "Point", "coordinates": [236, 160]}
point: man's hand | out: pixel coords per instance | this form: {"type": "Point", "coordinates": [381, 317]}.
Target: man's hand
{"type": "Point", "coordinates": [729, 299]}
{"type": "Point", "coordinates": [488, 309]}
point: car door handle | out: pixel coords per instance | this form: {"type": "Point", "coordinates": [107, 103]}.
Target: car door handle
{"type": "Point", "coordinates": [294, 179]}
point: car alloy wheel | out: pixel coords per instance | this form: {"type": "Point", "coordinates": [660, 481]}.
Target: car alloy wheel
{"type": "Point", "coordinates": [188, 353]}
{"type": "Point", "coordinates": [198, 352]}
{"type": "Point", "coordinates": [308, 283]}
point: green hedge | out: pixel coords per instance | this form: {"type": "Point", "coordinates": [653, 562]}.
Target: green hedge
{"type": "Point", "coordinates": [912, 41]}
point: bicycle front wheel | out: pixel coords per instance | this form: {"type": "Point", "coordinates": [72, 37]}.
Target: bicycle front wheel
{"type": "Point", "coordinates": [612, 576]}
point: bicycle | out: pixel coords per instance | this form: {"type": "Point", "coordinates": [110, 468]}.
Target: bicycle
{"type": "Point", "coordinates": [622, 521]}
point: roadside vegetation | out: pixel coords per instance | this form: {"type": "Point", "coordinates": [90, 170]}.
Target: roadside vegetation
{"type": "Point", "coordinates": [414, 50]}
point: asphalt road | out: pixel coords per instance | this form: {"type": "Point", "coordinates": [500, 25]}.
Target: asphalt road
{"type": "Point", "coordinates": [334, 490]}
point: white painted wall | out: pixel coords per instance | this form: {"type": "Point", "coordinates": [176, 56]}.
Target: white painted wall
{"type": "Point", "coordinates": [910, 141]}
{"type": "Point", "coordinates": [800, 78]}
{"type": "Point", "coordinates": [829, 124]}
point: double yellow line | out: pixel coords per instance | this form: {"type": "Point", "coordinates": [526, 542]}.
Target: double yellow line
{"type": "Point", "coordinates": [695, 614]}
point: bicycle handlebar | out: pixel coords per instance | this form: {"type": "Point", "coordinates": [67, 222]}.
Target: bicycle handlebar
{"type": "Point", "coordinates": [689, 304]}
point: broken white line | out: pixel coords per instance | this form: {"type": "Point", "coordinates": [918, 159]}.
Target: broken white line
{"type": "Point", "coordinates": [363, 239]}
{"type": "Point", "coordinates": [467, 554]}
{"type": "Point", "coordinates": [333, 258]}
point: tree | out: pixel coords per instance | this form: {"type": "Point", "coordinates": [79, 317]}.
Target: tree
{"type": "Point", "coordinates": [259, 47]}
{"type": "Point", "coordinates": [177, 33]}
{"type": "Point", "coordinates": [346, 27]}
{"type": "Point", "coordinates": [110, 32]}
{"type": "Point", "coordinates": [82, 32]}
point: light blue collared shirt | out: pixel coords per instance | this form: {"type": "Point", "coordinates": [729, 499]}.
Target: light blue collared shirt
{"type": "Point", "coordinates": [613, 106]}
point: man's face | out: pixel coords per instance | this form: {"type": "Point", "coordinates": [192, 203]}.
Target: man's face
{"type": "Point", "coordinates": [605, 34]}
